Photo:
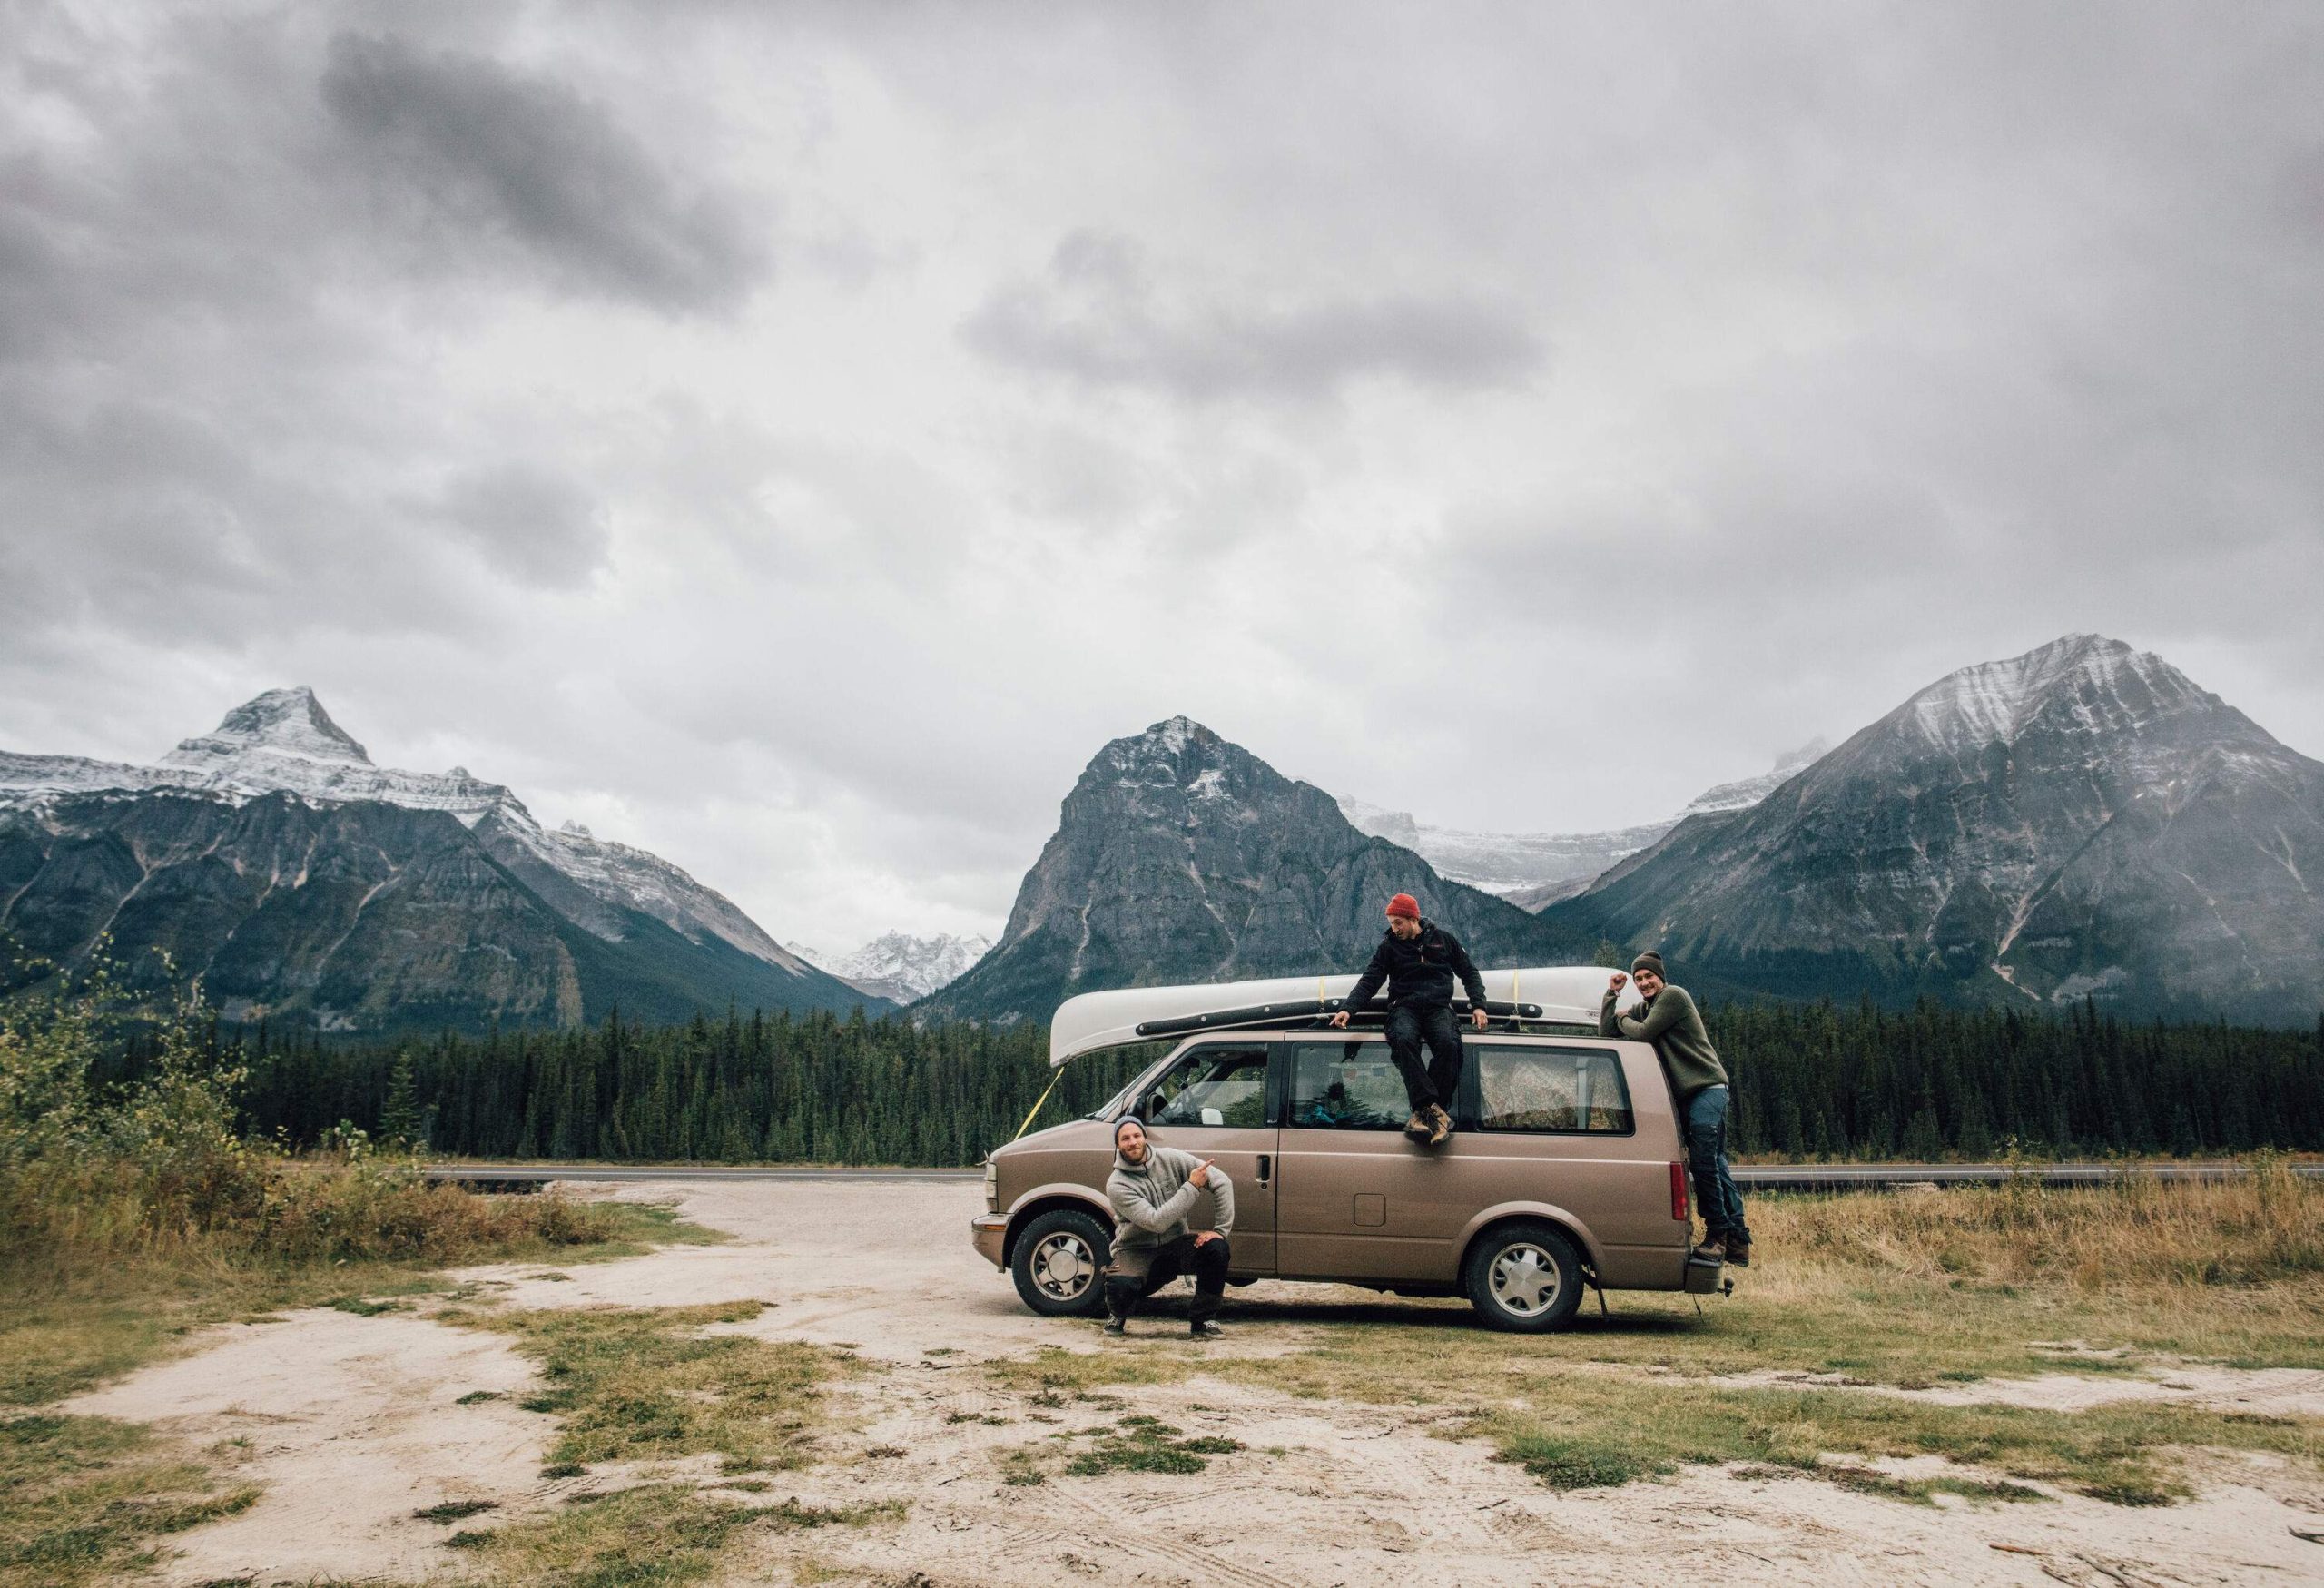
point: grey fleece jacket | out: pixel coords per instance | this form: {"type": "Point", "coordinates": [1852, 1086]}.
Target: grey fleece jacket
{"type": "Point", "coordinates": [1151, 1199]}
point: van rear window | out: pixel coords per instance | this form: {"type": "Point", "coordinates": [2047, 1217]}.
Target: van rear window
{"type": "Point", "coordinates": [1550, 1089]}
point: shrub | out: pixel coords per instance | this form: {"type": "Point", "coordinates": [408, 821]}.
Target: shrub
{"type": "Point", "coordinates": [95, 1169]}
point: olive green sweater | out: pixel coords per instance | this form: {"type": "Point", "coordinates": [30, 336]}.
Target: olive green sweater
{"type": "Point", "coordinates": [1669, 1021]}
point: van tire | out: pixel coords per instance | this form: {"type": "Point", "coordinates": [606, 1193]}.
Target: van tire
{"type": "Point", "coordinates": [1058, 1264]}
{"type": "Point", "coordinates": [1525, 1276]}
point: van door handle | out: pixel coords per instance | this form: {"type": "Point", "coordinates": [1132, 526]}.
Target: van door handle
{"type": "Point", "coordinates": [1266, 1168]}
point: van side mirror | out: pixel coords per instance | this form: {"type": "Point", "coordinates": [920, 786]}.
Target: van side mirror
{"type": "Point", "coordinates": [1212, 1117]}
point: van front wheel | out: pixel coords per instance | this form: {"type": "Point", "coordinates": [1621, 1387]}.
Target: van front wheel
{"type": "Point", "coordinates": [1058, 1262]}
{"type": "Point", "coordinates": [1523, 1275]}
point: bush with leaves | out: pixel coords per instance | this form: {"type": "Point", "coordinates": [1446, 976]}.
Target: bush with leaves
{"type": "Point", "coordinates": [96, 1167]}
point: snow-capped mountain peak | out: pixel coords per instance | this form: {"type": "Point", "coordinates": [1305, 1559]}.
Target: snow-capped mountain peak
{"type": "Point", "coordinates": [2099, 684]}
{"type": "Point", "coordinates": [284, 742]}
{"type": "Point", "coordinates": [289, 723]}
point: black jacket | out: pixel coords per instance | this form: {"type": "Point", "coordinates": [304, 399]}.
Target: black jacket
{"type": "Point", "coordinates": [1419, 972]}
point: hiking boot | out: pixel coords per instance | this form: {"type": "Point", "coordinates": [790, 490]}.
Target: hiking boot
{"type": "Point", "coordinates": [1202, 1328]}
{"type": "Point", "coordinates": [1418, 1126]}
{"type": "Point", "coordinates": [1117, 1326]}
{"type": "Point", "coordinates": [1739, 1248]}
{"type": "Point", "coordinates": [1440, 1125]}
{"type": "Point", "coordinates": [1712, 1250]}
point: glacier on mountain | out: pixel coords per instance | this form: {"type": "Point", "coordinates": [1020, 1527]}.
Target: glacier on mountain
{"type": "Point", "coordinates": [1532, 869]}
{"type": "Point", "coordinates": [901, 967]}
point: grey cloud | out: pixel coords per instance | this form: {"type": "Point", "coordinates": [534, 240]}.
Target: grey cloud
{"type": "Point", "coordinates": [473, 158]}
{"type": "Point", "coordinates": [531, 523]}
{"type": "Point", "coordinates": [1099, 320]}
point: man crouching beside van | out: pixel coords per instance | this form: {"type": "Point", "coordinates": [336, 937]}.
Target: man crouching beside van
{"type": "Point", "coordinates": [1153, 1188]}
{"type": "Point", "coordinates": [1670, 1020]}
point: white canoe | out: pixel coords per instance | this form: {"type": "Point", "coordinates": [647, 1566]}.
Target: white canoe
{"type": "Point", "coordinates": [1090, 1021]}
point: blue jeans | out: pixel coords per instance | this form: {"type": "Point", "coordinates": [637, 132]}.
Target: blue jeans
{"type": "Point", "coordinates": [1716, 1197]}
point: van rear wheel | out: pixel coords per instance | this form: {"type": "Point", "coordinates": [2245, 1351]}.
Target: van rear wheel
{"type": "Point", "coordinates": [1524, 1275]}
{"type": "Point", "coordinates": [1057, 1262]}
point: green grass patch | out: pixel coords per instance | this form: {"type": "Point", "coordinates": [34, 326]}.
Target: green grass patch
{"type": "Point", "coordinates": [650, 1385]}
{"type": "Point", "coordinates": [456, 1510]}
{"type": "Point", "coordinates": [1132, 1444]}
{"type": "Point", "coordinates": [86, 1499]}
{"type": "Point", "coordinates": [658, 1536]}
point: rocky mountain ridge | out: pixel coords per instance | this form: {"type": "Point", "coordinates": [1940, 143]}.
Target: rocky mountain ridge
{"type": "Point", "coordinates": [614, 917]}
{"type": "Point", "coordinates": [2081, 820]}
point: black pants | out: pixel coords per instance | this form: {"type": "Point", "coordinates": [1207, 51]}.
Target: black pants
{"type": "Point", "coordinates": [1207, 1263]}
{"type": "Point", "coordinates": [1409, 1025]}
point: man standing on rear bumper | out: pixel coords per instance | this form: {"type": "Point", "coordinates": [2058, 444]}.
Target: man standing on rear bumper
{"type": "Point", "coordinates": [1152, 1190]}
{"type": "Point", "coordinates": [1418, 959]}
{"type": "Point", "coordinates": [1670, 1020]}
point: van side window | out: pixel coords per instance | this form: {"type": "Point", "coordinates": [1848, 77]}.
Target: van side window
{"type": "Point", "coordinates": [1550, 1089]}
{"type": "Point", "coordinates": [1212, 1085]}
{"type": "Point", "coordinates": [1346, 1086]}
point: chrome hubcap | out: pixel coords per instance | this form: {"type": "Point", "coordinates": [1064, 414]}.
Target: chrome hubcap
{"type": "Point", "coordinates": [1063, 1266]}
{"type": "Point", "coordinates": [1525, 1278]}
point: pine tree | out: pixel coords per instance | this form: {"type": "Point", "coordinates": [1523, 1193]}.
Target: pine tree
{"type": "Point", "coordinates": [400, 1117]}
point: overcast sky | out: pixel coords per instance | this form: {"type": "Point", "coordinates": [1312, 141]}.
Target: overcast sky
{"type": "Point", "coordinates": [793, 438]}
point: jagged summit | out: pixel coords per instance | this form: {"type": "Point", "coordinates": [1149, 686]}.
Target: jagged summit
{"type": "Point", "coordinates": [1180, 856]}
{"type": "Point", "coordinates": [282, 722]}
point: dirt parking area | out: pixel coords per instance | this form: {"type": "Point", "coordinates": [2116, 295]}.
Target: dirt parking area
{"type": "Point", "coordinates": [354, 1425]}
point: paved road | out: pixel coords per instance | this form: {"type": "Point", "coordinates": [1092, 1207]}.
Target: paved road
{"type": "Point", "coordinates": [1766, 1177]}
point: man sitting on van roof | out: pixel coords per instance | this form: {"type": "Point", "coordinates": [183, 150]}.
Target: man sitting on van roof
{"type": "Point", "coordinates": [1418, 960]}
{"type": "Point", "coordinates": [1153, 1188]}
{"type": "Point", "coordinates": [1670, 1020]}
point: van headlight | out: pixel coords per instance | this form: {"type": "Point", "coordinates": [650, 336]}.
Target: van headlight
{"type": "Point", "coordinates": [991, 1187]}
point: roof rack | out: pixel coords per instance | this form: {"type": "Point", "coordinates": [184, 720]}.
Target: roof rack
{"type": "Point", "coordinates": [1287, 1015]}
{"type": "Point", "coordinates": [1092, 1021]}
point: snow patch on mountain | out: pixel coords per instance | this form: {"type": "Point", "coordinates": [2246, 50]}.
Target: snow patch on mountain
{"type": "Point", "coordinates": [2107, 687]}
{"type": "Point", "coordinates": [1744, 792]}
{"type": "Point", "coordinates": [901, 967]}
{"type": "Point", "coordinates": [1532, 869]}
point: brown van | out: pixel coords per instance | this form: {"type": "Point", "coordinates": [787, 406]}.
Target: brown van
{"type": "Point", "coordinates": [1565, 1171]}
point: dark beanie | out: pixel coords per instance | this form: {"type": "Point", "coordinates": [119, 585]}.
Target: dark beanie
{"type": "Point", "coordinates": [1650, 960]}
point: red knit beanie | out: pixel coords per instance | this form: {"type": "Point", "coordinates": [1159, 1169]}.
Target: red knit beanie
{"type": "Point", "coordinates": [1404, 904]}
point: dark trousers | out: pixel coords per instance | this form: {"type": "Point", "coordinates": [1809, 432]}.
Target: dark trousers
{"type": "Point", "coordinates": [1410, 1025]}
{"type": "Point", "coordinates": [1207, 1263]}
{"type": "Point", "coordinates": [1716, 1197]}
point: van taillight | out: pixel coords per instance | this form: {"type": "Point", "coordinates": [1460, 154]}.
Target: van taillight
{"type": "Point", "coordinates": [1678, 1192]}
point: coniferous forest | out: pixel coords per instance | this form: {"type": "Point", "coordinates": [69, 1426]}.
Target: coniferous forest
{"type": "Point", "coordinates": [1812, 1081]}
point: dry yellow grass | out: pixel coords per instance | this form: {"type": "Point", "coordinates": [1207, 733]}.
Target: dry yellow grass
{"type": "Point", "coordinates": [2135, 1232]}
